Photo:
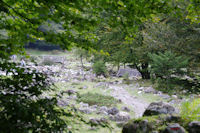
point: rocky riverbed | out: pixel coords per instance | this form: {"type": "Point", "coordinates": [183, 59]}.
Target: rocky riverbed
{"type": "Point", "coordinates": [73, 81]}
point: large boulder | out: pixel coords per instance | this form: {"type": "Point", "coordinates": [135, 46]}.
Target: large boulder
{"type": "Point", "coordinates": [194, 127]}
{"type": "Point", "coordinates": [157, 108]}
{"type": "Point", "coordinates": [174, 128]}
{"type": "Point", "coordinates": [137, 127]}
{"type": "Point", "coordinates": [132, 73]}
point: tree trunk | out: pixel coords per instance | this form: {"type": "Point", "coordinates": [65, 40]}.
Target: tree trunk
{"type": "Point", "coordinates": [82, 62]}
{"type": "Point", "coordinates": [145, 73]}
{"type": "Point", "coordinates": [118, 67]}
{"type": "Point", "coordinates": [143, 70]}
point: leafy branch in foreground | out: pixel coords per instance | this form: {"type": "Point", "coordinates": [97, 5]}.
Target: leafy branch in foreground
{"type": "Point", "coordinates": [23, 108]}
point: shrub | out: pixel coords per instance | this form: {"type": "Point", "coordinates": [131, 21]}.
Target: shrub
{"type": "Point", "coordinates": [167, 68]}
{"type": "Point", "coordinates": [190, 111]}
{"type": "Point", "coordinates": [97, 99]}
{"type": "Point", "coordinates": [23, 107]}
{"type": "Point", "coordinates": [99, 68]}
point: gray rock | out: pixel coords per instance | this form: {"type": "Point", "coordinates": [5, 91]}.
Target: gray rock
{"type": "Point", "coordinates": [131, 72]}
{"type": "Point", "coordinates": [85, 87]}
{"type": "Point", "coordinates": [84, 104]}
{"type": "Point", "coordinates": [102, 112]}
{"type": "Point", "coordinates": [194, 127]}
{"type": "Point", "coordinates": [72, 97]}
{"type": "Point", "coordinates": [119, 100]}
{"type": "Point", "coordinates": [93, 128]}
{"type": "Point", "coordinates": [175, 96]}
{"type": "Point", "coordinates": [157, 108]}
{"type": "Point", "coordinates": [121, 116]}
{"type": "Point", "coordinates": [137, 127]}
{"type": "Point", "coordinates": [125, 109]}
{"type": "Point", "coordinates": [174, 128]}
{"type": "Point", "coordinates": [102, 84]}
{"type": "Point", "coordinates": [63, 103]}
{"type": "Point", "coordinates": [150, 90]}
{"type": "Point", "coordinates": [165, 96]}
{"type": "Point", "coordinates": [141, 89]}
{"type": "Point", "coordinates": [103, 120]}
{"type": "Point", "coordinates": [103, 108]}
{"type": "Point", "coordinates": [137, 85]}
{"type": "Point", "coordinates": [85, 110]}
{"type": "Point", "coordinates": [113, 111]}
{"type": "Point", "coordinates": [94, 106]}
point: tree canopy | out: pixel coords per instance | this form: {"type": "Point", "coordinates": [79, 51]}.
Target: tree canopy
{"type": "Point", "coordinates": [22, 18]}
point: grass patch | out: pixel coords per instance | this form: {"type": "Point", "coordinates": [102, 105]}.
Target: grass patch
{"type": "Point", "coordinates": [97, 99]}
{"type": "Point", "coordinates": [190, 111]}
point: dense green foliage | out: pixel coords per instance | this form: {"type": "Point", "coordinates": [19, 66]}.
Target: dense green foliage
{"type": "Point", "coordinates": [163, 32]}
{"type": "Point", "coordinates": [99, 68]}
{"type": "Point", "coordinates": [82, 54]}
{"type": "Point", "coordinates": [22, 105]}
{"type": "Point", "coordinates": [167, 68]}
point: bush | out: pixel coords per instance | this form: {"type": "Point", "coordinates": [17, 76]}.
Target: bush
{"type": "Point", "coordinates": [99, 68]}
{"type": "Point", "coordinates": [190, 111]}
{"type": "Point", "coordinates": [97, 99]}
{"type": "Point", "coordinates": [23, 107]}
{"type": "Point", "coordinates": [167, 68]}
